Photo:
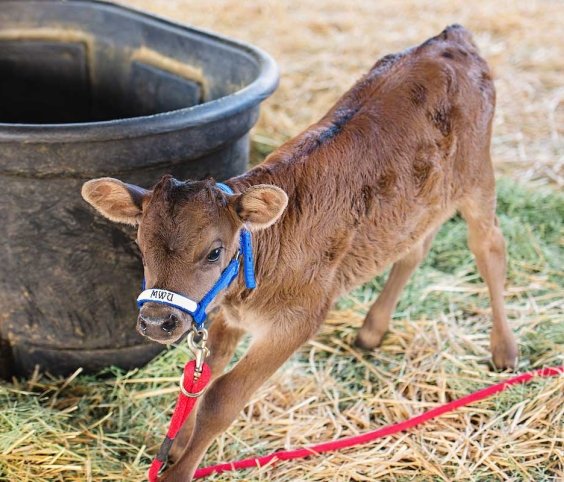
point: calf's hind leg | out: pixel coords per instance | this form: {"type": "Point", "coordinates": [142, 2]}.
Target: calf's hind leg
{"type": "Point", "coordinates": [487, 244]}
{"type": "Point", "coordinates": [378, 318]}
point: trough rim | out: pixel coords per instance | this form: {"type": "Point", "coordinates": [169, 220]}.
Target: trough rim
{"type": "Point", "coordinates": [199, 115]}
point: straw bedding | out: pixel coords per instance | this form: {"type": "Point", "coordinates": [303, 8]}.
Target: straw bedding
{"type": "Point", "coordinates": [107, 427]}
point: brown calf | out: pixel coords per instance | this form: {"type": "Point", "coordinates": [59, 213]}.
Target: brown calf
{"type": "Point", "coordinates": [366, 186]}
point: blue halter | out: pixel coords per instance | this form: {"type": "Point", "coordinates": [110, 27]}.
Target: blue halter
{"type": "Point", "coordinates": [198, 310]}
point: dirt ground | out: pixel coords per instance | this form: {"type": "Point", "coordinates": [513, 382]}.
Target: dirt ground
{"type": "Point", "coordinates": [323, 46]}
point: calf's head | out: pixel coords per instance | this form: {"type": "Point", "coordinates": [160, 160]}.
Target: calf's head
{"type": "Point", "coordinates": [187, 233]}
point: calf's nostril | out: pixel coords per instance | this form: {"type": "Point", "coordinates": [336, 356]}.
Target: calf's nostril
{"type": "Point", "coordinates": [142, 324]}
{"type": "Point", "coordinates": [170, 323]}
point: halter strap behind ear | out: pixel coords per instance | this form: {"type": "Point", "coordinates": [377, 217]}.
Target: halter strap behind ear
{"type": "Point", "coordinates": [246, 246]}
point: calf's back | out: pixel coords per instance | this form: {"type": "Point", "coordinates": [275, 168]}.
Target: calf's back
{"type": "Point", "coordinates": [385, 166]}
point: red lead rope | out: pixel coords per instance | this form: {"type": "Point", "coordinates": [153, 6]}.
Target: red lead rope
{"type": "Point", "coordinates": [381, 432]}
{"type": "Point", "coordinates": [192, 388]}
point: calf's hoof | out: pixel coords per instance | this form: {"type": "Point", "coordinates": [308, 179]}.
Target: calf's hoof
{"type": "Point", "coordinates": [175, 475]}
{"type": "Point", "coordinates": [504, 353]}
{"type": "Point", "coordinates": [368, 340]}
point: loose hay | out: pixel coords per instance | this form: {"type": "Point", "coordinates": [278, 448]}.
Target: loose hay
{"type": "Point", "coordinates": [106, 428]}
{"type": "Point", "coordinates": [89, 428]}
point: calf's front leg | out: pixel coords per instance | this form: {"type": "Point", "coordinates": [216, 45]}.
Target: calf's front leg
{"type": "Point", "coordinates": [222, 342]}
{"type": "Point", "coordinates": [228, 395]}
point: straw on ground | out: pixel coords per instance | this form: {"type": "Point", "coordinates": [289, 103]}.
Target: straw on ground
{"type": "Point", "coordinates": [107, 427]}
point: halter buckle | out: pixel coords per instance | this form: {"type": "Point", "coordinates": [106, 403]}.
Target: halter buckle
{"type": "Point", "coordinates": [198, 348]}
{"type": "Point", "coordinates": [197, 340]}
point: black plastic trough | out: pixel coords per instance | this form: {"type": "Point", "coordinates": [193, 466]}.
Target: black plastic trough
{"type": "Point", "coordinates": [90, 89]}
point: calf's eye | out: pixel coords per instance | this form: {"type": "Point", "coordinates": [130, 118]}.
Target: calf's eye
{"type": "Point", "coordinates": [214, 255]}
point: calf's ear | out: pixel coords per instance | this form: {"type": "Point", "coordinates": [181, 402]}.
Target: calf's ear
{"type": "Point", "coordinates": [260, 206]}
{"type": "Point", "coordinates": [115, 200]}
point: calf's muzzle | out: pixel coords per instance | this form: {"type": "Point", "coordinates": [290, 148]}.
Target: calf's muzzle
{"type": "Point", "coordinates": [163, 324]}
